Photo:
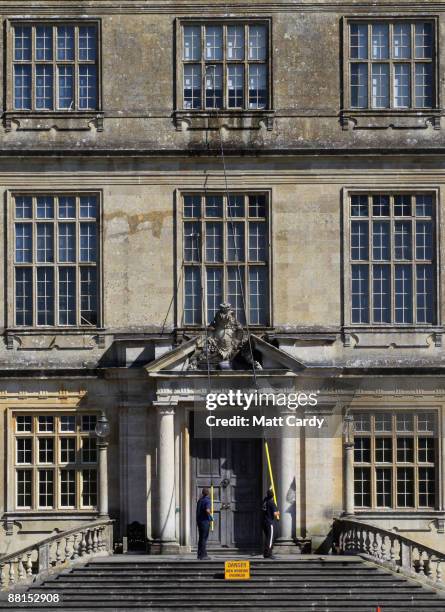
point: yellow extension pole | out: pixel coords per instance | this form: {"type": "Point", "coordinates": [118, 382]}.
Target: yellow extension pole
{"type": "Point", "coordinates": [211, 508]}
{"type": "Point", "coordinates": [269, 465]}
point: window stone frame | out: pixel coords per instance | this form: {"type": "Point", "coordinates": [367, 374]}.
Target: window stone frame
{"type": "Point", "coordinates": [375, 118]}
{"type": "Point", "coordinates": [236, 118]}
{"type": "Point", "coordinates": [44, 120]}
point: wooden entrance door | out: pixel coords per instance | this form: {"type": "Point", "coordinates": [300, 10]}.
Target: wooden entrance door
{"type": "Point", "coordinates": [236, 475]}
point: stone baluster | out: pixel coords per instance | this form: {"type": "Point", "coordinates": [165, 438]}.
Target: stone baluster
{"type": "Point", "coordinates": [76, 544]}
{"type": "Point", "coordinates": [95, 531]}
{"type": "Point", "coordinates": [421, 565]}
{"type": "Point", "coordinates": [29, 564]}
{"type": "Point", "coordinates": [67, 548]}
{"type": "Point", "coordinates": [89, 541]}
{"type": "Point", "coordinates": [83, 544]}
{"type": "Point", "coordinates": [58, 552]}
{"type": "Point", "coordinates": [393, 551]}
{"type": "Point", "coordinates": [438, 571]}
{"type": "Point", "coordinates": [21, 568]}
{"type": "Point", "coordinates": [3, 579]}
{"type": "Point", "coordinates": [11, 572]}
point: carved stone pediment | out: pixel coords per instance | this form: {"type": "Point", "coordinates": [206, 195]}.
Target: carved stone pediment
{"type": "Point", "coordinates": [224, 341]}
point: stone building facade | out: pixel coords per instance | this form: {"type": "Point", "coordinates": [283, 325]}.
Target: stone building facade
{"type": "Point", "coordinates": [158, 159]}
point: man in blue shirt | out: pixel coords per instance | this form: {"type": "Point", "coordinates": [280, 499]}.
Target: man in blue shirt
{"type": "Point", "coordinates": [203, 519]}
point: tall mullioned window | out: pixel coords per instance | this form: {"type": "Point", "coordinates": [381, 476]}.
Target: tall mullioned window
{"type": "Point", "coordinates": [392, 258]}
{"type": "Point", "coordinates": [394, 460]}
{"type": "Point", "coordinates": [225, 66]}
{"type": "Point", "coordinates": [391, 64]}
{"type": "Point", "coordinates": [55, 461]}
{"type": "Point", "coordinates": [225, 256]}
{"type": "Point", "coordinates": [55, 260]}
{"type": "Point", "coordinates": [55, 67]}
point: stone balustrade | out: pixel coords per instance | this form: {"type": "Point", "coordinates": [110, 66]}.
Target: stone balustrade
{"type": "Point", "coordinates": [390, 549]}
{"type": "Point", "coordinates": [56, 552]}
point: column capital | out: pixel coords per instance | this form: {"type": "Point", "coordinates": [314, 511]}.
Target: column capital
{"type": "Point", "coordinates": [165, 409]}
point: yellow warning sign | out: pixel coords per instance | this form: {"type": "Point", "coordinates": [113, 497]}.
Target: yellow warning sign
{"type": "Point", "coordinates": [237, 570]}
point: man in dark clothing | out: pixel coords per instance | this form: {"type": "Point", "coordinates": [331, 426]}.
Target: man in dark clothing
{"type": "Point", "coordinates": [203, 519]}
{"type": "Point", "coordinates": [270, 513]}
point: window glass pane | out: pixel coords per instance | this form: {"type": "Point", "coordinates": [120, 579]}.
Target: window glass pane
{"type": "Point", "coordinates": [235, 292]}
{"type": "Point", "coordinates": [67, 242]}
{"type": "Point", "coordinates": [67, 296]}
{"type": "Point", "coordinates": [383, 487]}
{"type": "Point", "coordinates": [23, 242]}
{"type": "Point", "coordinates": [23, 296]}
{"type": "Point", "coordinates": [89, 422]}
{"type": "Point", "coordinates": [88, 296]}
{"type": "Point", "coordinates": [257, 86]}
{"type": "Point", "coordinates": [359, 240]}
{"type": "Point", "coordinates": [381, 290]}
{"type": "Point", "coordinates": [87, 242]}
{"type": "Point", "coordinates": [405, 487]}
{"type": "Point", "coordinates": [214, 291]}
{"type": "Point", "coordinates": [380, 205]}
{"type": "Point", "coordinates": [426, 421]}
{"type": "Point", "coordinates": [192, 42]}
{"type": "Point", "coordinates": [22, 43]}
{"type": "Point", "coordinates": [235, 206]}
{"type": "Point", "coordinates": [44, 87]}
{"type": "Point", "coordinates": [88, 206]}
{"type": "Point", "coordinates": [383, 450]}
{"type": "Point", "coordinates": [402, 240]}
{"type": "Point", "coordinates": [24, 488]}
{"type": "Point", "coordinates": [402, 85]}
{"type": "Point", "coordinates": [235, 241]}
{"type": "Point", "coordinates": [89, 451]}
{"type": "Point", "coordinates": [45, 207]}
{"type": "Point", "coordinates": [424, 240]}
{"type": "Point", "coordinates": [67, 450]}
{"type": "Point", "coordinates": [380, 41]}
{"type": "Point", "coordinates": [362, 487]}
{"type": "Point", "coordinates": [66, 87]}
{"type": "Point", "coordinates": [424, 294]}
{"type": "Point", "coordinates": [359, 206]}
{"type": "Point", "coordinates": [362, 421]}
{"type": "Point", "coordinates": [44, 43]}
{"type": "Point", "coordinates": [359, 85]}
{"type": "Point", "coordinates": [424, 205]}
{"type": "Point", "coordinates": [381, 241]}
{"type": "Point", "coordinates": [362, 450]}
{"type": "Point", "coordinates": [87, 86]}
{"type": "Point", "coordinates": [424, 85]}
{"type": "Point", "coordinates": [65, 43]}
{"type": "Point", "coordinates": [45, 296]}
{"type": "Point", "coordinates": [360, 293]}
{"type": "Point", "coordinates": [425, 452]}
{"type": "Point", "coordinates": [235, 42]}
{"type": "Point", "coordinates": [192, 296]}
{"type": "Point", "coordinates": [427, 487]}
{"type": "Point", "coordinates": [235, 86]}
{"type": "Point", "coordinates": [23, 207]}
{"type": "Point", "coordinates": [424, 40]}
{"type": "Point", "coordinates": [359, 41]}
{"type": "Point", "coordinates": [24, 450]}
{"type": "Point", "coordinates": [405, 450]}
{"type": "Point", "coordinates": [67, 207]}
{"type": "Point", "coordinates": [89, 487]}
{"type": "Point", "coordinates": [213, 86]}
{"type": "Point", "coordinates": [257, 42]}
{"type": "Point", "coordinates": [404, 422]}
{"type": "Point", "coordinates": [402, 205]}
{"type": "Point", "coordinates": [67, 423]}
{"type": "Point", "coordinates": [192, 206]}
{"type": "Point", "coordinates": [192, 86]}
{"type": "Point", "coordinates": [22, 87]}
{"type": "Point", "coordinates": [67, 488]}
{"type": "Point", "coordinates": [213, 43]}
{"type": "Point", "coordinates": [257, 206]}
{"type": "Point", "coordinates": [46, 450]}
{"type": "Point", "coordinates": [45, 242]}
{"type": "Point", "coordinates": [23, 423]}
{"type": "Point", "coordinates": [87, 43]}
{"type": "Point", "coordinates": [46, 488]}
{"type": "Point", "coordinates": [258, 295]}
{"type": "Point", "coordinates": [401, 41]}
{"type": "Point", "coordinates": [214, 206]}
{"type": "Point", "coordinates": [214, 242]}
{"type": "Point", "coordinates": [257, 241]}
{"type": "Point", "coordinates": [380, 85]}
{"type": "Point", "coordinates": [403, 294]}
{"type": "Point", "coordinates": [192, 242]}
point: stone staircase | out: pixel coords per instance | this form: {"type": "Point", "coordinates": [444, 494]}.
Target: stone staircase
{"type": "Point", "coordinates": [306, 583]}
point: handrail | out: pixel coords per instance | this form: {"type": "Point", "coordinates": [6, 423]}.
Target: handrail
{"type": "Point", "coordinates": [389, 548]}
{"type": "Point", "coordinates": [56, 552]}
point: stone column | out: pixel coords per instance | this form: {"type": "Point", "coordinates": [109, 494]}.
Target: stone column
{"type": "Point", "coordinates": [102, 446]}
{"type": "Point", "coordinates": [285, 483]}
{"type": "Point", "coordinates": [349, 477]}
{"type": "Point", "coordinates": [166, 480]}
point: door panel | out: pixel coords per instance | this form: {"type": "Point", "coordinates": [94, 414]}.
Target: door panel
{"type": "Point", "coordinates": [236, 475]}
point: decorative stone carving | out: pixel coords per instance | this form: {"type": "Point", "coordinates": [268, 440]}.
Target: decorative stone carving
{"type": "Point", "coordinates": [224, 340]}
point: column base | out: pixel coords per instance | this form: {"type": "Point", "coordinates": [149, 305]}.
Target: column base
{"type": "Point", "coordinates": [293, 546]}
{"type": "Point", "coordinates": [158, 547]}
